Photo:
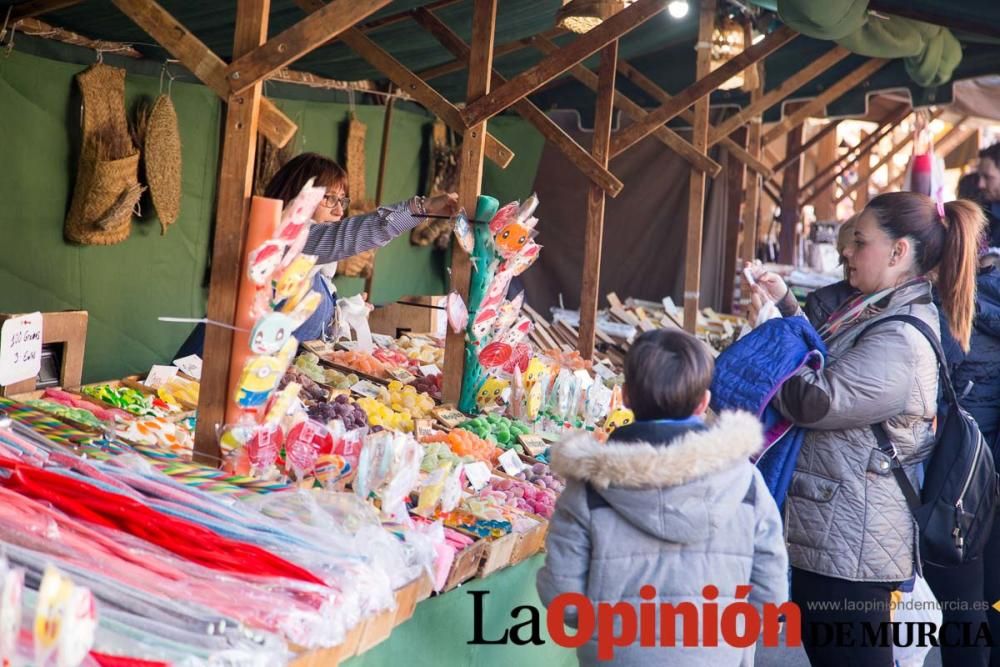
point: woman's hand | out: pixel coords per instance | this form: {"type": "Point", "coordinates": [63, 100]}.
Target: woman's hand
{"type": "Point", "coordinates": [442, 204]}
{"type": "Point", "coordinates": [770, 284]}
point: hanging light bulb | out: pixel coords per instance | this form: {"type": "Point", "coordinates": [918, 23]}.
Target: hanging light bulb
{"type": "Point", "coordinates": [678, 8]}
{"type": "Point", "coordinates": [582, 16]}
{"type": "Point", "coordinates": [728, 40]}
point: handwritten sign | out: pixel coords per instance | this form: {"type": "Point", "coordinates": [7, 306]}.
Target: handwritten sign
{"type": "Point", "coordinates": [366, 388]}
{"type": "Point", "coordinates": [478, 474]}
{"type": "Point", "coordinates": [402, 375]}
{"type": "Point", "coordinates": [533, 443]}
{"type": "Point", "coordinates": [160, 374]}
{"type": "Point", "coordinates": [511, 463]}
{"type": "Point", "coordinates": [423, 427]}
{"type": "Point", "coordinates": [20, 348]}
{"type": "Point", "coordinates": [190, 365]}
{"type": "Point", "coordinates": [449, 416]}
{"type": "Point", "coordinates": [430, 369]}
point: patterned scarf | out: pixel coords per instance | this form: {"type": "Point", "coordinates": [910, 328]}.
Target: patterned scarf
{"type": "Point", "coordinates": [860, 308]}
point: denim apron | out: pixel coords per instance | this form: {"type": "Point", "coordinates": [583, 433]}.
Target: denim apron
{"type": "Point", "coordinates": [321, 323]}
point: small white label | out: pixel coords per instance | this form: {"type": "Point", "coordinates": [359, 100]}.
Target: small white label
{"type": "Point", "coordinates": [401, 374]}
{"type": "Point", "coordinates": [160, 374]}
{"type": "Point", "coordinates": [20, 348]}
{"type": "Point", "coordinates": [382, 340]}
{"type": "Point", "coordinates": [511, 463]}
{"type": "Point", "coordinates": [190, 365]}
{"type": "Point", "coordinates": [478, 474]}
{"type": "Point", "coordinates": [366, 388]}
{"type": "Point", "coordinates": [533, 443]}
{"type": "Point", "coordinates": [430, 369]}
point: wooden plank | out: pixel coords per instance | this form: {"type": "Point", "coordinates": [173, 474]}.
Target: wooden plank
{"type": "Point", "coordinates": [696, 187]}
{"type": "Point", "coordinates": [470, 179]}
{"type": "Point", "coordinates": [790, 180]}
{"type": "Point", "coordinates": [734, 197]}
{"type": "Point", "coordinates": [325, 22]}
{"type": "Point", "coordinates": [701, 88]}
{"type": "Point", "coordinates": [813, 140]}
{"type": "Point", "coordinates": [864, 176]}
{"type": "Point", "coordinates": [751, 215]}
{"type": "Point", "coordinates": [779, 93]}
{"type": "Point", "coordinates": [419, 90]}
{"type": "Point", "coordinates": [383, 156]}
{"type": "Point", "coordinates": [239, 149]}
{"type": "Point", "coordinates": [399, 17]}
{"type": "Point", "coordinates": [827, 153]}
{"type": "Point", "coordinates": [200, 61]}
{"type": "Point", "coordinates": [506, 48]}
{"type": "Point", "coordinates": [951, 139]}
{"type": "Point", "coordinates": [33, 8]}
{"type": "Point", "coordinates": [527, 82]}
{"type": "Point", "coordinates": [581, 159]}
{"type": "Point", "coordinates": [667, 136]}
{"type": "Point", "coordinates": [818, 103]}
{"type": "Point", "coordinates": [593, 236]}
{"type": "Point", "coordinates": [650, 88]}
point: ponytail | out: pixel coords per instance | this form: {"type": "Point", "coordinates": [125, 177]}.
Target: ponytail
{"type": "Point", "coordinates": [964, 223]}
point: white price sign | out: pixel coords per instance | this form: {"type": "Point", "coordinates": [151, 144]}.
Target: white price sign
{"type": "Point", "coordinates": [20, 348]}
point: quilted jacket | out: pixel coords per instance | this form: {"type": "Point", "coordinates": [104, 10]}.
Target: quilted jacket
{"type": "Point", "coordinates": [672, 506]}
{"type": "Point", "coordinates": [845, 514]}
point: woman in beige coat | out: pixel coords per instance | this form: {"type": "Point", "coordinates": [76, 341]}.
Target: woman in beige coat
{"type": "Point", "coordinates": [850, 533]}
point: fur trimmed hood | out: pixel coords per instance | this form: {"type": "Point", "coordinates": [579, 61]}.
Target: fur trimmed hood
{"type": "Point", "coordinates": [681, 492]}
{"type": "Point", "coordinates": [733, 437]}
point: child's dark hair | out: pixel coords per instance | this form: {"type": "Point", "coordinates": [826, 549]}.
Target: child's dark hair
{"type": "Point", "coordinates": [667, 372]}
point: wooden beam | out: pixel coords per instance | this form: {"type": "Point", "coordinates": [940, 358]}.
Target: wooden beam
{"type": "Point", "coordinates": [470, 179]}
{"type": "Point", "coordinates": [581, 159]}
{"type": "Point", "coordinates": [665, 135]}
{"type": "Point", "coordinates": [200, 61]}
{"type": "Point", "coordinates": [751, 215]}
{"type": "Point", "coordinates": [790, 180]}
{"type": "Point", "coordinates": [33, 8]}
{"type": "Point", "coordinates": [239, 147]}
{"type": "Point", "coordinates": [326, 21]}
{"type": "Point", "coordinates": [383, 156]}
{"type": "Point", "coordinates": [772, 192]}
{"type": "Point", "coordinates": [864, 176]}
{"type": "Point", "coordinates": [780, 92]}
{"type": "Point", "coordinates": [701, 88]}
{"type": "Point", "coordinates": [827, 153]}
{"type": "Point", "coordinates": [506, 48]}
{"type": "Point", "coordinates": [952, 138]}
{"type": "Point", "coordinates": [696, 186]}
{"type": "Point", "coordinates": [650, 88]}
{"type": "Point", "coordinates": [818, 103]}
{"type": "Point", "coordinates": [813, 140]}
{"type": "Point", "coordinates": [734, 197]}
{"type": "Point", "coordinates": [399, 17]}
{"type": "Point", "coordinates": [593, 238]}
{"type": "Point", "coordinates": [527, 82]}
{"type": "Point", "coordinates": [420, 90]}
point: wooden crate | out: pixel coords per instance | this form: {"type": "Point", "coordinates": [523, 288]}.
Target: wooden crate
{"type": "Point", "coordinates": [406, 600]}
{"type": "Point", "coordinates": [466, 564]}
{"type": "Point", "coordinates": [377, 630]}
{"type": "Point", "coordinates": [530, 543]}
{"type": "Point", "coordinates": [498, 553]}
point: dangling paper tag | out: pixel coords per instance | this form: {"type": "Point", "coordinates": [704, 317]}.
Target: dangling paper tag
{"type": "Point", "coordinates": [159, 374]}
{"type": "Point", "coordinates": [190, 365]}
{"type": "Point", "coordinates": [511, 463]}
{"type": "Point", "coordinates": [478, 474]}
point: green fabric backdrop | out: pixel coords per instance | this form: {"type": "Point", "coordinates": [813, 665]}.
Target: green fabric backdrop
{"type": "Point", "coordinates": [128, 286]}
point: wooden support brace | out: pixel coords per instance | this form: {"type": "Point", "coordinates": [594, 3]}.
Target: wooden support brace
{"type": "Point", "coordinates": [735, 172]}
{"type": "Point", "coordinates": [777, 94]}
{"type": "Point", "coordinates": [201, 61]}
{"type": "Point", "coordinates": [790, 180]}
{"type": "Point", "coordinates": [813, 140]}
{"type": "Point", "coordinates": [419, 90]}
{"type": "Point", "coordinates": [650, 88]}
{"type": "Point", "coordinates": [324, 23]}
{"type": "Point", "coordinates": [239, 147]}
{"type": "Point", "coordinates": [751, 215]}
{"type": "Point", "coordinates": [702, 87]}
{"type": "Point", "coordinates": [460, 64]}
{"type": "Point", "coordinates": [470, 178]}
{"type": "Point", "coordinates": [33, 8]}
{"type": "Point", "coordinates": [816, 104]}
{"type": "Point", "coordinates": [527, 82]}
{"type": "Point", "coordinates": [593, 237]}
{"type": "Point", "coordinates": [581, 159]}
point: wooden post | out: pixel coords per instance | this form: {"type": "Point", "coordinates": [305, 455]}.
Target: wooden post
{"type": "Point", "coordinates": [751, 215]}
{"type": "Point", "coordinates": [790, 198]}
{"type": "Point", "coordinates": [594, 235]}
{"type": "Point", "coordinates": [827, 150]}
{"type": "Point", "coordinates": [734, 198]}
{"type": "Point", "coordinates": [239, 149]}
{"type": "Point", "coordinates": [813, 140]}
{"type": "Point", "coordinates": [383, 162]}
{"type": "Point", "coordinates": [864, 174]}
{"type": "Point", "coordinates": [470, 177]}
{"type": "Point", "coordinates": [696, 187]}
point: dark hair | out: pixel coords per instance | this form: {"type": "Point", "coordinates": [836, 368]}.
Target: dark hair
{"type": "Point", "coordinates": [667, 372]}
{"type": "Point", "coordinates": [991, 153]}
{"type": "Point", "coordinates": [968, 186]}
{"type": "Point", "coordinates": [288, 181]}
{"type": "Point", "coordinates": [949, 246]}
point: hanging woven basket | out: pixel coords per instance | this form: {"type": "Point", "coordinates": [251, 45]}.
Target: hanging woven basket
{"type": "Point", "coordinates": [162, 156]}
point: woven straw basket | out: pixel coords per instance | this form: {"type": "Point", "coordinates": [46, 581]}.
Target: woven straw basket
{"type": "Point", "coordinates": [162, 156]}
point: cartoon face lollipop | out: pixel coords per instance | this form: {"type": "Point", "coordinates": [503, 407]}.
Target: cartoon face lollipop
{"type": "Point", "coordinates": [271, 333]}
{"type": "Point", "coordinates": [512, 238]}
{"type": "Point", "coordinates": [264, 261]}
{"type": "Point", "coordinates": [259, 378]}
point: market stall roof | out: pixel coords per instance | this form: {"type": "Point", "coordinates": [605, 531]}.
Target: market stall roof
{"type": "Point", "coordinates": [661, 48]}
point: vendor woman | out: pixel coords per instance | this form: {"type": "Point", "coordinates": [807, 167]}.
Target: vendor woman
{"type": "Point", "coordinates": [332, 237]}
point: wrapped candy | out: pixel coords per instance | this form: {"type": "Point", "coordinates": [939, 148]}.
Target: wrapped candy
{"type": "Point", "coordinates": [303, 446]}
{"type": "Point", "coordinates": [260, 376]}
{"type": "Point", "coordinates": [262, 448]}
{"type": "Point", "coordinates": [271, 333]}
{"type": "Point", "coordinates": [463, 232]}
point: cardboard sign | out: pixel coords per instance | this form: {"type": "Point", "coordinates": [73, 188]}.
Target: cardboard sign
{"type": "Point", "coordinates": [478, 474]}
{"type": "Point", "coordinates": [423, 427]}
{"type": "Point", "coordinates": [160, 374]}
{"type": "Point", "coordinates": [401, 374]}
{"type": "Point", "coordinates": [430, 369]}
{"type": "Point", "coordinates": [449, 416]}
{"type": "Point", "coordinates": [511, 463]}
{"type": "Point", "coordinates": [190, 365]}
{"type": "Point", "coordinates": [532, 443]}
{"type": "Point", "coordinates": [366, 388]}
{"type": "Point", "coordinates": [20, 348]}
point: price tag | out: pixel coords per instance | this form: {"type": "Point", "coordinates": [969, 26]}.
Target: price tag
{"type": "Point", "coordinates": [423, 427]}
{"type": "Point", "coordinates": [20, 348]}
{"type": "Point", "coordinates": [349, 345]}
{"type": "Point", "coordinates": [478, 474]}
{"type": "Point", "coordinates": [158, 375]}
{"type": "Point", "coordinates": [382, 340]}
{"type": "Point", "coordinates": [449, 416]}
{"type": "Point", "coordinates": [401, 374]}
{"type": "Point", "coordinates": [511, 463]}
{"type": "Point", "coordinates": [190, 365]}
{"type": "Point", "coordinates": [430, 369]}
{"type": "Point", "coordinates": [533, 444]}
{"type": "Point", "coordinates": [366, 388]}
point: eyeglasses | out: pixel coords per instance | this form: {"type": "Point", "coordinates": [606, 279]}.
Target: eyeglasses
{"type": "Point", "coordinates": [332, 200]}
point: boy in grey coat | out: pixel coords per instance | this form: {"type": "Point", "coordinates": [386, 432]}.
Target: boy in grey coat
{"type": "Point", "coordinates": [669, 503]}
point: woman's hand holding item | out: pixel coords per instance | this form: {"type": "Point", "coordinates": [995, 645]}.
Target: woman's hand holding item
{"type": "Point", "coordinates": [446, 205]}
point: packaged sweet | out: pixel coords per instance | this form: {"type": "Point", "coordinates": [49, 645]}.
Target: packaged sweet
{"type": "Point", "coordinates": [260, 376]}
{"type": "Point", "coordinates": [463, 232]}
{"type": "Point", "coordinates": [458, 313]}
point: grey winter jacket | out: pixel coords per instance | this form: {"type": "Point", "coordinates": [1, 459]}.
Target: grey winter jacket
{"type": "Point", "coordinates": [846, 516]}
{"type": "Point", "coordinates": [677, 516]}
